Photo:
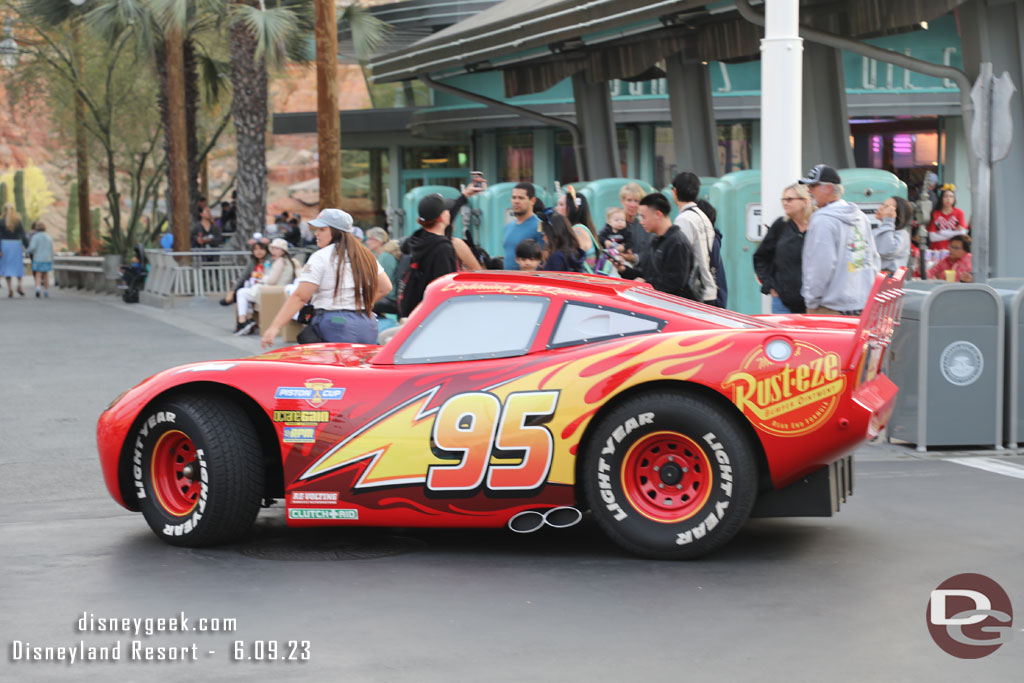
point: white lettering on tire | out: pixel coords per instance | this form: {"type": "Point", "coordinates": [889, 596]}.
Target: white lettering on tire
{"type": "Point", "coordinates": [624, 429]}
{"type": "Point", "coordinates": [725, 483]}
{"type": "Point", "coordinates": [153, 421]}
{"type": "Point", "coordinates": [604, 482]}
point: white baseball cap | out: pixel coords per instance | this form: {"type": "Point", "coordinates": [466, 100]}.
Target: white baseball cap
{"type": "Point", "coordinates": [333, 218]}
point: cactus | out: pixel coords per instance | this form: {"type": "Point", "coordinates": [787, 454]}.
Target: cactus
{"type": "Point", "coordinates": [3, 196]}
{"type": "Point", "coordinates": [72, 220]}
{"type": "Point", "coordinates": [97, 224]}
{"type": "Point", "coordinates": [19, 193]}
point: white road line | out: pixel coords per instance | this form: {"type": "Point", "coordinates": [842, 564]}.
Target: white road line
{"type": "Point", "coordinates": [994, 465]}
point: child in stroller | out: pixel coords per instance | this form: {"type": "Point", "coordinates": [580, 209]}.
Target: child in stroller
{"type": "Point", "coordinates": [133, 277]}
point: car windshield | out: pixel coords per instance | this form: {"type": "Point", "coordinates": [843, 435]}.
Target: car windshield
{"type": "Point", "coordinates": [652, 297]}
{"type": "Point", "coordinates": [475, 326]}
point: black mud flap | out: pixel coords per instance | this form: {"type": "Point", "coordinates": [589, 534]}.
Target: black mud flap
{"type": "Point", "coordinates": [819, 494]}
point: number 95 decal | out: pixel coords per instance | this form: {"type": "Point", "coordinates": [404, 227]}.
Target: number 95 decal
{"type": "Point", "coordinates": [472, 428]}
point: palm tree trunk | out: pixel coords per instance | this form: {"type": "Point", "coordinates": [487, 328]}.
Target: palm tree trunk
{"type": "Point", "coordinates": [328, 126]}
{"type": "Point", "coordinates": [191, 111]}
{"type": "Point", "coordinates": [181, 222]}
{"type": "Point", "coordinates": [87, 241]}
{"type": "Point", "coordinates": [249, 114]}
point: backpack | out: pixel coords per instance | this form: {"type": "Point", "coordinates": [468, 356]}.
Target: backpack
{"type": "Point", "coordinates": [411, 284]}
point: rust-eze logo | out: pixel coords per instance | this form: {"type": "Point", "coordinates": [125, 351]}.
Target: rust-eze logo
{"type": "Point", "coordinates": [969, 616]}
{"type": "Point", "coordinates": [790, 397]}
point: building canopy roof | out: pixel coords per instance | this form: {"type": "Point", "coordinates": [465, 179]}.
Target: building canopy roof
{"type": "Point", "coordinates": [537, 43]}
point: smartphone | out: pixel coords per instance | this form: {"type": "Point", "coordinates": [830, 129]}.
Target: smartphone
{"type": "Point", "coordinates": [476, 178]}
{"type": "Point", "coordinates": [614, 255]}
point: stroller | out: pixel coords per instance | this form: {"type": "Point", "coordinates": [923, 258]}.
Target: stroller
{"type": "Point", "coordinates": [133, 277]}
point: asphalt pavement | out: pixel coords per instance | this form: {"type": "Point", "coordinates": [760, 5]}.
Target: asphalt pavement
{"type": "Point", "coordinates": [837, 599]}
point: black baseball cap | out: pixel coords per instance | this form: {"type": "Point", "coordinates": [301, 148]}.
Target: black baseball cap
{"type": "Point", "coordinates": [821, 174]}
{"type": "Point", "coordinates": [432, 206]}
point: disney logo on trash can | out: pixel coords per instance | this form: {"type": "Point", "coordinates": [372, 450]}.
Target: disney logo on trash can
{"type": "Point", "coordinates": [969, 616]}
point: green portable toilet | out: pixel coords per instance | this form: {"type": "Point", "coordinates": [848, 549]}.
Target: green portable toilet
{"type": "Point", "coordinates": [490, 210]}
{"type": "Point", "coordinates": [411, 202]}
{"type": "Point", "coordinates": [737, 199]}
{"type": "Point", "coordinates": [706, 183]}
{"type": "Point", "coordinates": [868, 188]}
{"type": "Point", "coordinates": [604, 193]}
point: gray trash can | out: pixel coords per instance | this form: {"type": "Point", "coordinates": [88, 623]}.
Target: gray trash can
{"type": "Point", "coordinates": [947, 359]}
{"type": "Point", "coordinates": [1011, 290]}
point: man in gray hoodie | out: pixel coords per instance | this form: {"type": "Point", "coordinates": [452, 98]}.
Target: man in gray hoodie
{"type": "Point", "coordinates": [840, 260]}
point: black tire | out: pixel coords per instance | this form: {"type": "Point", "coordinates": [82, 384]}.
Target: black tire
{"type": "Point", "coordinates": [197, 470]}
{"type": "Point", "coordinates": [669, 476]}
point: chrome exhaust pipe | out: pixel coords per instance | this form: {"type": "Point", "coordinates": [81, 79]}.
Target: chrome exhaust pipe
{"type": "Point", "coordinates": [562, 517]}
{"type": "Point", "coordinates": [526, 522]}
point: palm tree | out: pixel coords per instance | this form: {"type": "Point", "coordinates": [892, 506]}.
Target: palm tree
{"type": "Point", "coordinates": [261, 33]}
{"type": "Point", "coordinates": [168, 32]}
{"type": "Point", "coordinates": [367, 32]}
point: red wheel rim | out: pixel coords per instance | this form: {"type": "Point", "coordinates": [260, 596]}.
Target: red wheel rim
{"type": "Point", "coordinates": [175, 473]}
{"type": "Point", "coordinates": [667, 477]}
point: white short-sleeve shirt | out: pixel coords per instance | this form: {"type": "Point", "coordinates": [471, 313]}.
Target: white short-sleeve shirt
{"type": "Point", "coordinates": [320, 270]}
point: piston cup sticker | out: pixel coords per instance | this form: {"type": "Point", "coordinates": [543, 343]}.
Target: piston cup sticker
{"type": "Point", "coordinates": [791, 397]}
{"type": "Point", "coordinates": [961, 363]}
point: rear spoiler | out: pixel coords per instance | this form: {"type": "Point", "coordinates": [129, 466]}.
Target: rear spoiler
{"type": "Point", "coordinates": [880, 317]}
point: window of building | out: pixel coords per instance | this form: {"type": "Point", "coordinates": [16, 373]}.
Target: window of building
{"type": "Point", "coordinates": [475, 327]}
{"type": "Point", "coordinates": [363, 174]}
{"type": "Point", "coordinates": [428, 158]}
{"type": "Point", "coordinates": [515, 157]}
{"type": "Point", "coordinates": [733, 151]}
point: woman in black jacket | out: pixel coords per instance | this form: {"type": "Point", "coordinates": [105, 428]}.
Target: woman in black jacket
{"type": "Point", "coordinates": [778, 262]}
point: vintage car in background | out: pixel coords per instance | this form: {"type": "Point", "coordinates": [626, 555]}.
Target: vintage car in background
{"type": "Point", "coordinates": [518, 400]}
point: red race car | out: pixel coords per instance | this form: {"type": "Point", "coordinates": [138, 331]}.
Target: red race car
{"type": "Point", "coordinates": [518, 400]}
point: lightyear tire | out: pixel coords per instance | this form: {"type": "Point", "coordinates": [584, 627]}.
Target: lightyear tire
{"type": "Point", "coordinates": [669, 476]}
{"type": "Point", "coordinates": [197, 470]}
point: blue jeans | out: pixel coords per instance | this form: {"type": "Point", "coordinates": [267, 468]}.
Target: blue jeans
{"type": "Point", "coordinates": [778, 306]}
{"type": "Point", "coordinates": [344, 327]}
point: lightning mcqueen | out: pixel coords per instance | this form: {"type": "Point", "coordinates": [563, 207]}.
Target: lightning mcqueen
{"type": "Point", "coordinates": [518, 400]}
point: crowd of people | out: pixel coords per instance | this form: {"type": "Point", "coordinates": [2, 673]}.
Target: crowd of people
{"type": "Point", "coordinates": [821, 256]}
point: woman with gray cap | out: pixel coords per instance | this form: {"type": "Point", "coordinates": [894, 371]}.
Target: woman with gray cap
{"type": "Point", "coordinates": [342, 280]}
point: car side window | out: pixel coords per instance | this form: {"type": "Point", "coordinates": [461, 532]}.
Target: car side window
{"type": "Point", "coordinates": [580, 323]}
{"type": "Point", "coordinates": [475, 326]}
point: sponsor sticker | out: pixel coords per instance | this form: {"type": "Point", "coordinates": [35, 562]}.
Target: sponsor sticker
{"type": "Point", "coordinates": [299, 435]}
{"type": "Point", "coordinates": [308, 497]}
{"type": "Point", "coordinates": [322, 513]}
{"type": "Point", "coordinates": [302, 417]}
{"type": "Point", "coordinates": [791, 397]}
{"type": "Point", "coordinates": [315, 392]}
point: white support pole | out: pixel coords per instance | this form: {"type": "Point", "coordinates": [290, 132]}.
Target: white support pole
{"type": "Point", "coordinates": [781, 104]}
